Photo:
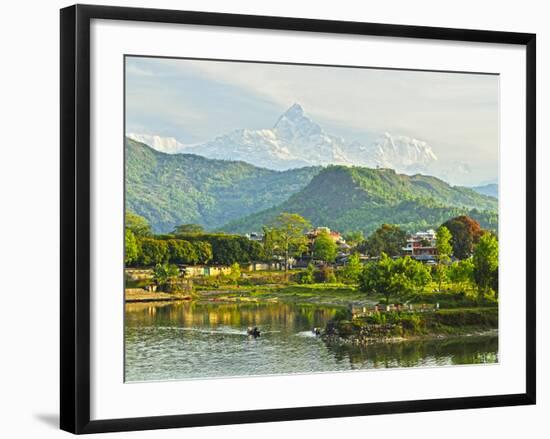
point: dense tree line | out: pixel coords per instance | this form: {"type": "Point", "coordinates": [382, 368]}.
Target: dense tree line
{"type": "Point", "coordinates": [188, 244]}
{"type": "Point", "coordinates": [230, 249]}
{"type": "Point", "coordinates": [152, 251]}
{"type": "Point", "coordinates": [198, 249]}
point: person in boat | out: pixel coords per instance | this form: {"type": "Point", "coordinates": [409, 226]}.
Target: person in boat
{"type": "Point", "coordinates": [254, 332]}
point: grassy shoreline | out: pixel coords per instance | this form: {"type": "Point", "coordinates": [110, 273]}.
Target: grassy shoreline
{"type": "Point", "coordinates": [333, 295]}
{"type": "Point", "coordinates": [132, 295]}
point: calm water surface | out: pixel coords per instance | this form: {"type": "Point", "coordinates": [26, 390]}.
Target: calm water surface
{"type": "Point", "coordinates": [192, 340]}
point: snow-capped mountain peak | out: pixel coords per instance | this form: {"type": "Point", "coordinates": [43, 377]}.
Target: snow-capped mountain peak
{"type": "Point", "coordinates": [295, 124]}
{"type": "Point", "coordinates": [294, 112]}
{"type": "Point", "coordinates": [296, 141]}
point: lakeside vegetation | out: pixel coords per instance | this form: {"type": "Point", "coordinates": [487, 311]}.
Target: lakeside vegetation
{"type": "Point", "coordinates": [397, 295]}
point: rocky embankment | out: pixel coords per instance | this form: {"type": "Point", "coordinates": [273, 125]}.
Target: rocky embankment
{"type": "Point", "coordinates": [400, 326]}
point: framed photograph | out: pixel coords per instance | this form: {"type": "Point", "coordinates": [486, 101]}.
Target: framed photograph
{"type": "Point", "coordinates": [268, 218]}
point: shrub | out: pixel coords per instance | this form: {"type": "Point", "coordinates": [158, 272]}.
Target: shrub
{"type": "Point", "coordinates": [325, 274]}
{"type": "Point", "coordinates": [341, 315]}
{"type": "Point", "coordinates": [307, 276]}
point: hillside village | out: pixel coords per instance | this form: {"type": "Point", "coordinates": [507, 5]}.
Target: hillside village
{"type": "Point", "coordinates": [420, 246]}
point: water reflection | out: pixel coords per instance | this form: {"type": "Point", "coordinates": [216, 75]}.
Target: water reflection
{"type": "Point", "coordinates": [288, 318]}
{"type": "Point", "coordinates": [414, 353]}
{"type": "Point", "coordinates": [192, 340]}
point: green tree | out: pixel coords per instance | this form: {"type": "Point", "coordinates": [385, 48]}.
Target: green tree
{"type": "Point", "coordinates": [485, 262]}
{"type": "Point", "coordinates": [324, 247]}
{"type": "Point", "coordinates": [269, 242]}
{"type": "Point", "coordinates": [394, 278]}
{"type": "Point", "coordinates": [376, 278]}
{"type": "Point", "coordinates": [235, 273]}
{"type": "Point", "coordinates": [289, 235]}
{"type": "Point", "coordinates": [137, 224]}
{"type": "Point", "coordinates": [389, 239]}
{"type": "Point", "coordinates": [165, 277]}
{"type": "Point", "coordinates": [439, 275]}
{"type": "Point", "coordinates": [443, 244]}
{"type": "Point", "coordinates": [444, 249]}
{"type": "Point", "coordinates": [186, 229]}
{"type": "Point", "coordinates": [416, 274]}
{"type": "Point", "coordinates": [465, 232]}
{"type": "Point", "coordinates": [153, 252]}
{"type": "Point", "coordinates": [352, 270]}
{"type": "Point", "coordinates": [354, 238]}
{"type": "Point", "coordinates": [131, 247]}
{"type": "Point", "coordinates": [461, 273]}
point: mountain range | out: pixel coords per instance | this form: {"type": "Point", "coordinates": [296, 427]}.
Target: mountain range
{"type": "Point", "coordinates": [356, 198]}
{"type": "Point", "coordinates": [173, 189]}
{"type": "Point", "coordinates": [296, 141]}
{"type": "Point", "coordinates": [234, 196]}
{"type": "Point", "coordinates": [490, 189]}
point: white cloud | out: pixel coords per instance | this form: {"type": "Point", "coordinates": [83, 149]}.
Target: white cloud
{"type": "Point", "coordinates": [456, 113]}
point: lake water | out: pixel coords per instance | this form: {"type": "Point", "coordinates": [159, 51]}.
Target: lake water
{"type": "Point", "coordinates": [168, 341]}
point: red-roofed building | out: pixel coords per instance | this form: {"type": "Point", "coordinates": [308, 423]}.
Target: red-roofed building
{"type": "Point", "coordinates": [421, 245]}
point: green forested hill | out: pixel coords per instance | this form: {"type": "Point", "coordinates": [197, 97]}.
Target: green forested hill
{"type": "Point", "coordinates": [347, 199]}
{"type": "Point", "coordinates": [182, 188]}
{"type": "Point", "coordinates": [176, 189]}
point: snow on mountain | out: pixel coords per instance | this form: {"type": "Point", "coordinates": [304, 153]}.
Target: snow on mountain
{"type": "Point", "coordinates": [164, 144]}
{"type": "Point", "coordinates": [400, 152]}
{"type": "Point", "coordinates": [296, 141]}
{"type": "Point", "coordinates": [258, 147]}
{"type": "Point", "coordinates": [308, 140]}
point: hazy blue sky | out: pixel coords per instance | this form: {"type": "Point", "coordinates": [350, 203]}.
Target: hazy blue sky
{"type": "Point", "coordinates": [195, 101]}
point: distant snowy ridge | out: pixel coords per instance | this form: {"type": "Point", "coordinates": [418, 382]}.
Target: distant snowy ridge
{"type": "Point", "coordinates": [404, 150]}
{"type": "Point", "coordinates": [296, 141]}
{"type": "Point", "coordinates": [163, 144]}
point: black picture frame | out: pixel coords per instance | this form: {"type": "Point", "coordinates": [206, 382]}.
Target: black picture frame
{"type": "Point", "coordinates": [75, 217]}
